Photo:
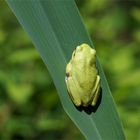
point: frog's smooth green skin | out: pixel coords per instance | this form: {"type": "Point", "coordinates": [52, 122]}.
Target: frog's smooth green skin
{"type": "Point", "coordinates": [82, 79]}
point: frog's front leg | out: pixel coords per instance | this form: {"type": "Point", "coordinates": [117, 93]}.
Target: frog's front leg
{"type": "Point", "coordinates": [96, 91]}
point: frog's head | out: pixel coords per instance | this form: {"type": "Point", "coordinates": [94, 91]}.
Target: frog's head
{"type": "Point", "coordinates": [86, 51]}
{"type": "Point", "coordinates": [82, 55]}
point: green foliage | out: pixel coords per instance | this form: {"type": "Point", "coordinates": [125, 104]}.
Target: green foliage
{"type": "Point", "coordinates": [29, 106]}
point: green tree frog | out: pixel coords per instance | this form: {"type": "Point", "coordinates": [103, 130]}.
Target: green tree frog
{"type": "Point", "coordinates": [82, 79]}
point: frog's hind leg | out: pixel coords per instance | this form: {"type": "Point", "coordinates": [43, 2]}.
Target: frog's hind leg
{"type": "Point", "coordinates": [73, 94]}
{"type": "Point", "coordinates": [96, 91]}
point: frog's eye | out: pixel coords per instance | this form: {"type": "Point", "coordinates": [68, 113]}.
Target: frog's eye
{"type": "Point", "coordinates": [93, 52]}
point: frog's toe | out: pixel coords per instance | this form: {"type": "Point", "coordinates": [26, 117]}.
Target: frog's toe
{"type": "Point", "coordinates": [77, 103]}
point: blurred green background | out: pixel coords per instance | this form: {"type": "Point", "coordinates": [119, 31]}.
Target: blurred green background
{"type": "Point", "coordinates": [29, 104]}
